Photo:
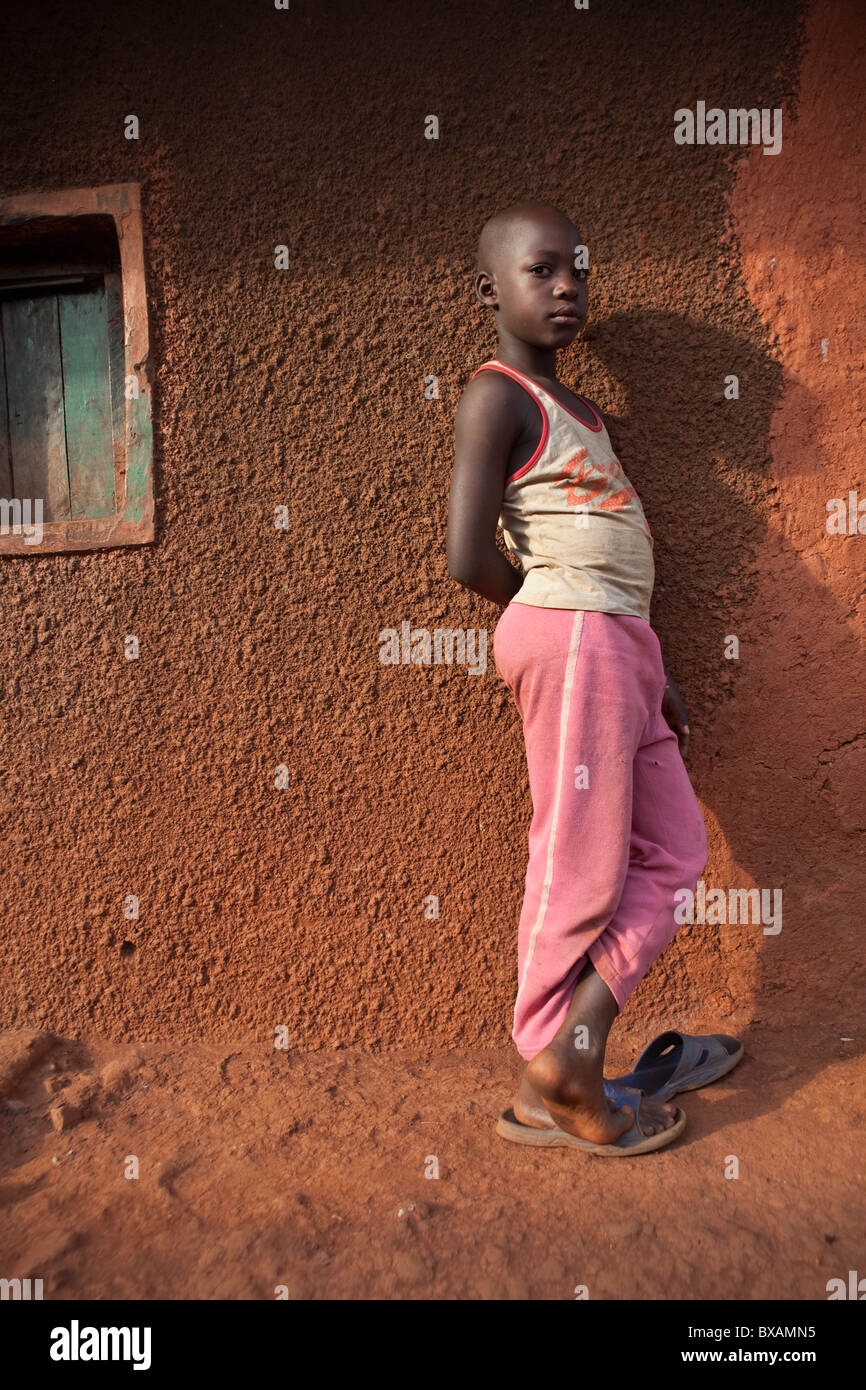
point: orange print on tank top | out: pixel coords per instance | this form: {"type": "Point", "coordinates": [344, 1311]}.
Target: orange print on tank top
{"type": "Point", "coordinates": [579, 470]}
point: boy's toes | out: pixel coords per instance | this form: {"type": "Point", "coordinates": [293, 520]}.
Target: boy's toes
{"type": "Point", "coordinates": [656, 1116]}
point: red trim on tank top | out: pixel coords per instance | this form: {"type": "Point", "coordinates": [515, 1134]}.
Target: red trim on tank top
{"type": "Point", "coordinates": [494, 366]}
{"type": "Point", "coordinates": [596, 429]}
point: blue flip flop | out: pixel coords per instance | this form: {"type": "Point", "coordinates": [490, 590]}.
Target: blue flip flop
{"type": "Point", "coordinates": [634, 1141]}
{"type": "Point", "coordinates": [675, 1062]}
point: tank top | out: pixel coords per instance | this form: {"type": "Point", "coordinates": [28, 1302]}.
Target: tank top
{"type": "Point", "coordinates": [572, 518]}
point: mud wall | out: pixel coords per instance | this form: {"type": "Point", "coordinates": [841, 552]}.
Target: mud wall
{"type": "Point", "coordinates": [308, 905]}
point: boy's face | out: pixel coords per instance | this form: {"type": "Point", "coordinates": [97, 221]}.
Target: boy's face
{"type": "Point", "coordinates": [538, 294]}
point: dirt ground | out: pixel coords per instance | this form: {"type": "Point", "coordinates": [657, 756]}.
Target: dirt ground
{"type": "Point", "coordinates": [259, 1169]}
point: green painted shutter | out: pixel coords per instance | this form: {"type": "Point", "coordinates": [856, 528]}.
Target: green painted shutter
{"type": "Point", "coordinates": [57, 400]}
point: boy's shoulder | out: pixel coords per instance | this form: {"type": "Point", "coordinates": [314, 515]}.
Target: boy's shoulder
{"type": "Point", "coordinates": [491, 390]}
{"type": "Point", "coordinates": [493, 413]}
{"type": "Point", "coordinates": [494, 391]}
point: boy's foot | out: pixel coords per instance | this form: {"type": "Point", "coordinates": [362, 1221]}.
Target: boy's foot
{"type": "Point", "coordinates": [566, 1091]}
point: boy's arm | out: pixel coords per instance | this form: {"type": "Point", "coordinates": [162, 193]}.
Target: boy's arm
{"type": "Point", "coordinates": [486, 427]}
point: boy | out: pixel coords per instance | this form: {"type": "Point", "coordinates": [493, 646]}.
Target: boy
{"type": "Point", "coordinates": [616, 827]}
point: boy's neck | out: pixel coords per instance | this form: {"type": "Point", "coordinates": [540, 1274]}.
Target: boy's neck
{"type": "Point", "coordinates": [525, 357]}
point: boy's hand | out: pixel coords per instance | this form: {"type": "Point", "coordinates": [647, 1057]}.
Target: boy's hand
{"type": "Point", "coordinates": [674, 712]}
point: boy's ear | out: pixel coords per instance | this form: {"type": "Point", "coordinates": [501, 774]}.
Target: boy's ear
{"type": "Point", "coordinates": [485, 289]}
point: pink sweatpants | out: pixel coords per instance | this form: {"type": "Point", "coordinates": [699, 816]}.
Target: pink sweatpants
{"type": "Point", "coordinates": [616, 826]}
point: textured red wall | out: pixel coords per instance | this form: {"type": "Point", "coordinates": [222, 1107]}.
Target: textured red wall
{"type": "Point", "coordinates": [305, 906]}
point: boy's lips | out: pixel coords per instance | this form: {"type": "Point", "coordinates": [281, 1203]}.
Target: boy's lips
{"type": "Point", "coordinates": [569, 315]}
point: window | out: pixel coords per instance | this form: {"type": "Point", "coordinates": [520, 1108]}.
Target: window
{"type": "Point", "coordinates": [76, 434]}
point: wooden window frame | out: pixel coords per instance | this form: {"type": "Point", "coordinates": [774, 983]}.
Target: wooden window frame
{"type": "Point", "coordinates": [132, 523]}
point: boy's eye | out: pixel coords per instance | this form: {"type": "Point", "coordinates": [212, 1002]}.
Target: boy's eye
{"type": "Point", "coordinates": [545, 268]}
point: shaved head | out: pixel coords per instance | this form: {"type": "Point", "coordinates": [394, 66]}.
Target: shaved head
{"type": "Point", "coordinates": [502, 233]}
{"type": "Point", "coordinates": [528, 276]}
